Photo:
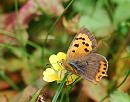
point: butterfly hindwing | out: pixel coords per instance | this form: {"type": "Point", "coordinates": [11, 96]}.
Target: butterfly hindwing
{"type": "Point", "coordinates": [83, 43]}
{"type": "Point", "coordinates": [93, 67]}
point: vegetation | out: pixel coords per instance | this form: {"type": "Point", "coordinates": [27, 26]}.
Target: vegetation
{"type": "Point", "coordinates": [33, 30]}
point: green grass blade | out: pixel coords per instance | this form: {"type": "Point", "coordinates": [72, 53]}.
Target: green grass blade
{"type": "Point", "coordinates": [8, 80]}
{"type": "Point", "coordinates": [67, 96]}
{"type": "Point", "coordinates": [62, 96]}
{"type": "Point", "coordinates": [59, 89]}
{"type": "Point", "coordinates": [128, 73]}
{"type": "Point", "coordinates": [34, 97]}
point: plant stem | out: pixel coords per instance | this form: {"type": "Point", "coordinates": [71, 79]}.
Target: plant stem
{"type": "Point", "coordinates": [59, 89]}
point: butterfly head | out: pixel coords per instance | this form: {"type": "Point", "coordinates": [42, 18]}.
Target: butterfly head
{"type": "Point", "coordinates": [69, 67]}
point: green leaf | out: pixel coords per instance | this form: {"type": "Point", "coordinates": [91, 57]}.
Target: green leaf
{"type": "Point", "coordinates": [120, 1]}
{"type": "Point", "coordinates": [94, 16]}
{"type": "Point", "coordinates": [122, 12]}
{"type": "Point", "coordinates": [34, 97]}
{"type": "Point", "coordinates": [99, 22]}
{"type": "Point", "coordinates": [59, 89]}
{"type": "Point", "coordinates": [83, 6]}
{"type": "Point", "coordinates": [118, 96]}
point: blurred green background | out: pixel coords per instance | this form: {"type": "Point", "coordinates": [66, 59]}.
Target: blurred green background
{"type": "Point", "coordinates": [32, 30]}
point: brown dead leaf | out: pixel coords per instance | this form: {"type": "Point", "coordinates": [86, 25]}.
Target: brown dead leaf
{"type": "Point", "coordinates": [31, 10]}
{"type": "Point", "coordinates": [71, 25]}
{"type": "Point", "coordinates": [29, 91]}
{"type": "Point", "coordinates": [7, 95]}
{"type": "Point", "coordinates": [95, 91]}
{"type": "Point", "coordinates": [3, 98]}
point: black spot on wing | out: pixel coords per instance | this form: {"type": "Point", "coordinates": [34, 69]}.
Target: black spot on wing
{"type": "Point", "coordinates": [105, 64]}
{"type": "Point", "coordinates": [103, 72]}
{"type": "Point", "coordinates": [76, 38]}
{"type": "Point", "coordinates": [83, 43]}
{"type": "Point", "coordinates": [86, 50]}
{"type": "Point", "coordinates": [83, 38]}
{"type": "Point", "coordinates": [73, 51]}
{"type": "Point", "coordinates": [76, 45]}
{"type": "Point", "coordinates": [104, 68]}
{"type": "Point", "coordinates": [99, 76]}
{"type": "Point", "coordinates": [87, 44]}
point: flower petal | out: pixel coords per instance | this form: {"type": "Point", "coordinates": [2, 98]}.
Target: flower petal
{"type": "Point", "coordinates": [61, 74]}
{"type": "Point", "coordinates": [61, 56]}
{"type": "Point", "coordinates": [71, 79]}
{"type": "Point", "coordinates": [54, 62]}
{"type": "Point", "coordinates": [50, 75]}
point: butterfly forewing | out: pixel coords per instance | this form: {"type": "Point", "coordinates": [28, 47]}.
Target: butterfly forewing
{"type": "Point", "coordinates": [83, 43]}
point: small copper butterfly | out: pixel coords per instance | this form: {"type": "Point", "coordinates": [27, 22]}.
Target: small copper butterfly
{"type": "Point", "coordinates": [82, 58]}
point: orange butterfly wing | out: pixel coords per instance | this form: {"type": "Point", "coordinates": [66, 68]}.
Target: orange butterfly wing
{"type": "Point", "coordinates": [83, 44]}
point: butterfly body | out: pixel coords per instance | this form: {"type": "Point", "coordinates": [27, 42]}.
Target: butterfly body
{"type": "Point", "coordinates": [82, 58]}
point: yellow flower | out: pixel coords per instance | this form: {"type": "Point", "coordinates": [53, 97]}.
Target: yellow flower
{"type": "Point", "coordinates": [57, 71]}
{"type": "Point", "coordinates": [71, 79]}
{"type": "Point", "coordinates": [48, 73]}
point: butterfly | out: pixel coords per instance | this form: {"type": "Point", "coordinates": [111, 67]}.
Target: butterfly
{"type": "Point", "coordinates": [82, 58]}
